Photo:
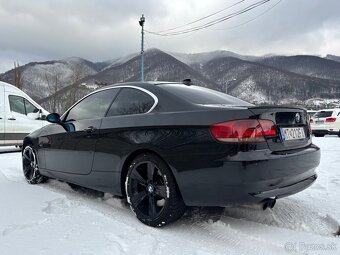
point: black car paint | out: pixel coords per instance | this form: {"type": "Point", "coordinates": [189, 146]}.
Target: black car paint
{"type": "Point", "coordinates": [207, 172]}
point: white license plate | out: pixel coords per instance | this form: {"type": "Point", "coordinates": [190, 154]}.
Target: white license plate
{"type": "Point", "coordinates": [292, 133]}
{"type": "Point", "coordinates": [319, 122]}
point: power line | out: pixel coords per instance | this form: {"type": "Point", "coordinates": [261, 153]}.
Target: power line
{"type": "Point", "coordinates": [248, 21]}
{"type": "Point", "coordinates": [200, 19]}
{"type": "Point", "coordinates": [213, 22]}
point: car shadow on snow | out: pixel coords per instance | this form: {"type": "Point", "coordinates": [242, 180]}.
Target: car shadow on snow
{"type": "Point", "coordinates": [289, 213]}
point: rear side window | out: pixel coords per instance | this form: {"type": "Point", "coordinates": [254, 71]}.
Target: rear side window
{"type": "Point", "coordinates": [93, 106]}
{"type": "Point", "coordinates": [323, 114]}
{"type": "Point", "coordinates": [131, 101]}
{"type": "Point", "coordinates": [204, 96]}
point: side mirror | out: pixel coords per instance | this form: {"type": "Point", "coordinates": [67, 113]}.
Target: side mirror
{"type": "Point", "coordinates": [53, 118]}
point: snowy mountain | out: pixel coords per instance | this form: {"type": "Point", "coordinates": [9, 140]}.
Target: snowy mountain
{"type": "Point", "coordinates": [159, 66]}
{"type": "Point", "coordinates": [261, 80]}
{"type": "Point", "coordinates": [41, 79]}
{"type": "Point", "coordinates": [307, 65]}
{"type": "Point", "coordinates": [333, 57]}
{"type": "Point", "coordinates": [258, 83]}
{"type": "Point", "coordinates": [197, 59]}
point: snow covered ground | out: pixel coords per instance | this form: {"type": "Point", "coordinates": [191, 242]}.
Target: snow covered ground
{"type": "Point", "coordinates": [53, 219]}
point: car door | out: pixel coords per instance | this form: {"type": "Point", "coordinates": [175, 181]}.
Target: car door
{"type": "Point", "coordinates": [2, 115]}
{"type": "Point", "coordinates": [72, 143]}
{"type": "Point", "coordinates": [111, 146]}
{"type": "Point", "coordinates": [22, 118]}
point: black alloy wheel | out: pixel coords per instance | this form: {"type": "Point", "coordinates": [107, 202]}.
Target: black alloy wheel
{"type": "Point", "coordinates": [30, 166]}
{"type": "Point", "coordinates": [152, 191]}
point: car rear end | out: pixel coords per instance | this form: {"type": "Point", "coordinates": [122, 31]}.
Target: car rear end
{"type": "Point", "coordinates": [326, 122]}
{"type": "Point", "coordinates": [243, 154]}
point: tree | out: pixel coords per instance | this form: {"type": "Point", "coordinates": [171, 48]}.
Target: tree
{"type": "Point", "coordinates": [79, 72]}
{"type": "Point", "coordinates": [17, 75]}
{"type": "Point", "coordinates": [53, 85]}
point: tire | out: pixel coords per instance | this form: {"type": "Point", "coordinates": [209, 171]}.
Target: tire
{"type": "Point", "coordinates": [152, 191]}
{"type": "Point", "coordinates": [30, 166]}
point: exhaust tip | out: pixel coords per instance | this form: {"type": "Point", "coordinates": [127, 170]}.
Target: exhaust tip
{"type": "Point", "coordinates": [268, 203]}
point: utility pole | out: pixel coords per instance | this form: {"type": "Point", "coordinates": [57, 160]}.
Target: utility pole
{"type": "Point", "coordinates": [141, 23]}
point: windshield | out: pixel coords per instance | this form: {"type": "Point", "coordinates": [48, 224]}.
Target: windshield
{"type": "Point", "coordinates": [203, 96]}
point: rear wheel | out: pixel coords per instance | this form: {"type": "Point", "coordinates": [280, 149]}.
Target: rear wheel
{"type": "Point", "coordinates": [30, 166]}
{"type": "Point", "coordinates": [152, 191]}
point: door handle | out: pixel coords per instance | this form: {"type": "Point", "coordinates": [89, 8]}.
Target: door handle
{"type": "Point", "coordinates": [11, 118]}
{"type": "Point", "coordinates": [90, 129]}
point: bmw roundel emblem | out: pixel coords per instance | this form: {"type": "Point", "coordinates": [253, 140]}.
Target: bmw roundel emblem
{"type": "Point", "coordinates": [297, 118]}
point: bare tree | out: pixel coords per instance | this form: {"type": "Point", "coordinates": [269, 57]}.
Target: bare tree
{"type": "Point", "coordinates": [53, 85]}
{"type": "Point", "coordinates": [17, 75]}
{"type": "Point", "coordinates": [79, 72]}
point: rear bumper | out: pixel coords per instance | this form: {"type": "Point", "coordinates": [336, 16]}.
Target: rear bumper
{"type": "Point", "coordinates": [287, 190]}
{"type": "Point", "coordinates": [250, 177]}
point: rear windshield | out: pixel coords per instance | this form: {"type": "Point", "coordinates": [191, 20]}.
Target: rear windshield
{"type": "Point", "coordinates": [203, 96]}
{"type": "Point", "coordinates": [323, 114]}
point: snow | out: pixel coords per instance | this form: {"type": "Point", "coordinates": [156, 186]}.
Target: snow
{"type": "Point", "coordinates": [40, 76]}
{"type": "Point", "coordinates": [51, 218]}
{"type": "Point", "coordinates": [205, 57]}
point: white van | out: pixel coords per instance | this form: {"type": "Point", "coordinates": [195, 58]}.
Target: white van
{"type": "Point", "coordinates": [19, 115]}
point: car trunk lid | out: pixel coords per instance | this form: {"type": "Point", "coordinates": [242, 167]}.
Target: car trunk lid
{"type": "Point", "coordinates": [292, 126]}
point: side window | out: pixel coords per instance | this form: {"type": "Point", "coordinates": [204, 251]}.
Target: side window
{"type": "Point", "coordinates": [17, 104]}
{"type": "Point", "coordinates": [131, 101]}
{"type": "Point", "coordinates": [30, 108]}
{"type": "Point", "coordinates": [93, 106]}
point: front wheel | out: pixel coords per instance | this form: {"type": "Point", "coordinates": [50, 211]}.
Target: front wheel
{"type": "Point", "coordinates": [30, 166]}
{"type": "Point", "coordinates": [152, 191]}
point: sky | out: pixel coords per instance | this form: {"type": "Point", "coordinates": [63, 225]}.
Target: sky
{"type": "Point", "coordinates": [41, 30]}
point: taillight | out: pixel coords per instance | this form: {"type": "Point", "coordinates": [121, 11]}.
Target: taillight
{"type": "Point", "coordinates": [311, 121]}
{"type": "Point", "coordinates": [244, 131]}
{"type": "Point", "coordinates": [330, 119]}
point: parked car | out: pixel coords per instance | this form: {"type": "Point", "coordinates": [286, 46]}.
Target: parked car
{"type": "Point", "coordinates": [326, 122]}
{"type": "Point", "coordinates": [19, 115]}
{"type": "Point", "coordinates": [165, 146]}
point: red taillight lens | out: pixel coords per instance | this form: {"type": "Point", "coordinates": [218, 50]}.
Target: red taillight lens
{"type": "Point", "coordinates": [243, 131]}
{"type": "Point", "coordinates": [311, 121]}
{"type": "Point", "coordinates": [330, 119]}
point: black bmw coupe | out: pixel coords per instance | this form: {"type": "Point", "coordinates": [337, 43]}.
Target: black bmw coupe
{"type": "Point", "coordinates": [165, 146]}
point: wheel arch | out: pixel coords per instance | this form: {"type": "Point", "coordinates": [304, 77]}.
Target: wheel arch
{"type": "Point", "coordinates": [27, 141]}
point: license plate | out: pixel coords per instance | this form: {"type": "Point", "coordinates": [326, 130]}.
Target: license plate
{"type": "Point", "coordinates": [319, 122]}
{"type": "Point", "coordinates": [292, 133]}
